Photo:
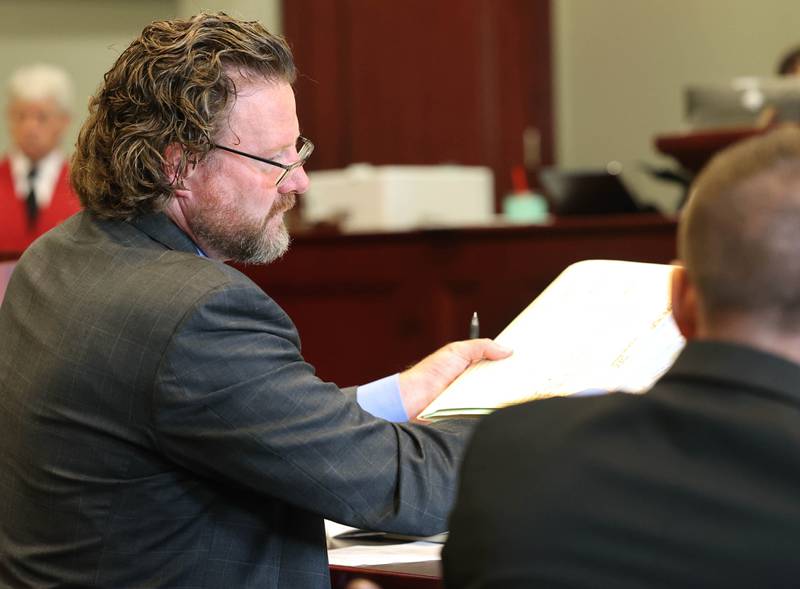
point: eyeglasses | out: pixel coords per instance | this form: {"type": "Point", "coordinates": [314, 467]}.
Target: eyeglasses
{"type": "Point", "coordinates": [304, 150]}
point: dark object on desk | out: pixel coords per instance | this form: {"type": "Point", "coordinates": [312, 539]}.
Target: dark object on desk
{"type": "Point", "coordinates": [586, 192]}
{"type": "Point", "coordinates": [680, 176]}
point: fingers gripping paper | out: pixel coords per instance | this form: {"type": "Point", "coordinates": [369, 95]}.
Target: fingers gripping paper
{"type": "Point", "coordinates": [600, 325]}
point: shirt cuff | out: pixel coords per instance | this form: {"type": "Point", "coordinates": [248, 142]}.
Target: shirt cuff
{"type": "Point", "coordinates": [382, 399]}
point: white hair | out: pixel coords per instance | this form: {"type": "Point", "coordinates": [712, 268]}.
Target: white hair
{"type": "Point", "coordinates": [40, 81]}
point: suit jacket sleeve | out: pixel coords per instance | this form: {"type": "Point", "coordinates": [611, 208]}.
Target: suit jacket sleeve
{"type": "Point", "coordinates": [234, 400]}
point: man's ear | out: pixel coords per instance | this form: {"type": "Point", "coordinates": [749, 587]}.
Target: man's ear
{"type": "Point", "coordinates": [684, 302]}
{"type": "Point", "coordinates": [173, 156]}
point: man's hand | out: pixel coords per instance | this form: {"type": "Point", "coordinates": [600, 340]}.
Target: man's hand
{"type": "Point", "coordinates": [422, 383]}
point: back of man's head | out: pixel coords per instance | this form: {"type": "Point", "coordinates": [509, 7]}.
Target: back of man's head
{"type": "Point", "coordinates": [740, 233]}
{"type": "Point", "coordinates": [173, 86]}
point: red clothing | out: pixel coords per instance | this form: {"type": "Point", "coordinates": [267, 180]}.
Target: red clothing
{"type": "Point", "coordinates": [15, 235]}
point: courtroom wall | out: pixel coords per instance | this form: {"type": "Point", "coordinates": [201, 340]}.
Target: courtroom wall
{"type": "Point", "coordinates": [621, 66]}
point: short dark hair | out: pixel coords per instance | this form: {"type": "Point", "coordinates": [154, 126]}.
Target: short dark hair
{"type": "Point", "coordinates": [739, 235]}
{"type": "Point", "coordinates": [173, 85]}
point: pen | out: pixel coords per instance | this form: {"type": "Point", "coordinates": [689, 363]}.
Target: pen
{"type": "Point", "coordinates": [474, 326]}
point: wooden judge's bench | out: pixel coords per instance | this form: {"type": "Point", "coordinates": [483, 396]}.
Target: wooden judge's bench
{"type": "Point", "coordinates": [368, 305]}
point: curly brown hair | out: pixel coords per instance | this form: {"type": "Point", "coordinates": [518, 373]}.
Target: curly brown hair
{"type": "Point", "coordinates": [173, 85]}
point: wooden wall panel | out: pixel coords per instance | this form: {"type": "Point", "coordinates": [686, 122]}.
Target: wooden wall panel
{"type": "Point", "coordinates": [423, 81]}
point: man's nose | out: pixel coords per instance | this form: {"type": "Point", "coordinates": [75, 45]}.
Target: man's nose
{"type": "Point", "coordinates": [296, 181]}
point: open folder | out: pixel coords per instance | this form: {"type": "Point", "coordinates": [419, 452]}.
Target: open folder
{"type": "Point", "coordinates": [601, 324]}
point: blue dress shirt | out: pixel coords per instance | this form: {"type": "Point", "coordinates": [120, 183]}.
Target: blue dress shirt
{"type": "Point", "coordinates": [382, 399]}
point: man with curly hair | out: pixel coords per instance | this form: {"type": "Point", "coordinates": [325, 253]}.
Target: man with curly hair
{"type": "Point", "coordinates": [158, 424]}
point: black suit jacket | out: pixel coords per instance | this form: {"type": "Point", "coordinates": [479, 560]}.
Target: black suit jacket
{"type": "Point", "coordinates": [694, 484]}
{"type": "Point", "coordinates": [159, 427]}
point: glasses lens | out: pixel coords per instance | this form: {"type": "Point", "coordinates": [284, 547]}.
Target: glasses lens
{"type": "Point", "coordinates": [304, 148]}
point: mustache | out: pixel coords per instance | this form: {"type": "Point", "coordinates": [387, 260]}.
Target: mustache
{"type": "Point", "coordinates": [283, 204]}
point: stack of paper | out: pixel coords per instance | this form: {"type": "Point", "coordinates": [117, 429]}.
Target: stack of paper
{"type": "Point", "coordinates": [600, 325]}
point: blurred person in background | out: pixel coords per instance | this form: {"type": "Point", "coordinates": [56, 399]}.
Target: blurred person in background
{"type": "Point", "coordinates": [35, 194]}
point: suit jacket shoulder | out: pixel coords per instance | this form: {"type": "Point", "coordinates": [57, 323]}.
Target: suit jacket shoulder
{"type": "Point", "coordinates": [689, 485]}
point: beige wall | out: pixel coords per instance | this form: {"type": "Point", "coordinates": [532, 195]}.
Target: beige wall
{"type": "Point", "coordinates": [86, 36]}
{"type": "Point", "coordinates": [266, 11]}
{"type": "Point", "coordinates": [621, 66]}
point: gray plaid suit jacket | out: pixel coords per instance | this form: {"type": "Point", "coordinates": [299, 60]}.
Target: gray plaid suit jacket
{"type": "Point", "coordinates": [160, 428]}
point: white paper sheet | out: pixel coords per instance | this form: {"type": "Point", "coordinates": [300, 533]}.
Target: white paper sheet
{"type": "Point", "coordinates": [362, 555]}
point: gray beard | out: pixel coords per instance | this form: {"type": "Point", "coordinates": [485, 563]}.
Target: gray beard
{"type": "Point", "coordinates": [220, 229]}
